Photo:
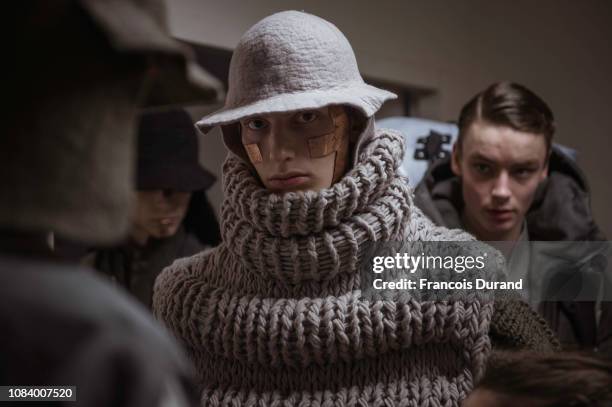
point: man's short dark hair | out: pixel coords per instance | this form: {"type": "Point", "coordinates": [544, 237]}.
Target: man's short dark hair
{"type": "Point", "coordinates": [556, 379]}
{"type": "Point", "coordinates": [508, 104]}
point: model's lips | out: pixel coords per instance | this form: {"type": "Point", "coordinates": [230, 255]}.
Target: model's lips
{"type": "Point", "coordinates": [289, 179]}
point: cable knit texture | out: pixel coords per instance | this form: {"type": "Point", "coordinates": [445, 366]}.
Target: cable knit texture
{"type": "Point", "coordinates": [275, 315]}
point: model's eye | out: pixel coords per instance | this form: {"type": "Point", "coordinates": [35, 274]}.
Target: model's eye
{"type": "Point", "coordinates": [306, 116]}
{"type": "Point", "coordinates": [256, 124]}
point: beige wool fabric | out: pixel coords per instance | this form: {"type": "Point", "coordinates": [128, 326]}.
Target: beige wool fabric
{"type": "Point", "coordinates": [275, 315]}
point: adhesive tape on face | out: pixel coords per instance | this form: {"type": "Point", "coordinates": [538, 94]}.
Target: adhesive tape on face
{"type": "Point", "coordinates": [253, 152]}
{"type": "Point", "coordinates": [320, 146]}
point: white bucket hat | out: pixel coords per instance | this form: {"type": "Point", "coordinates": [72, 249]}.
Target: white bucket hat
{"type": "Point", "coordinates": [292, 61]}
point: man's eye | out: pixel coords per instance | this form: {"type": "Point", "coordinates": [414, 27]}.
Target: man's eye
{"type": "Point", "coordinates": [523, 172]}
{"type": "Point", "coordinates": [306, 117]}
{"type": "Point", "coordinates": [482, 168]}
{"type": "Point", "coordinates": [256, 124]}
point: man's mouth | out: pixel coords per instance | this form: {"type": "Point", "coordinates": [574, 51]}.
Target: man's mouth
{"type": "Point", "coordinates": [168, 220]}
{"type": "Point", "coordinates": [500, 215]}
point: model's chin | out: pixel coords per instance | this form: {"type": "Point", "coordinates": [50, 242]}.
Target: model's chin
{"type": "Point", "coordinates": [297, 184]}
{"type": "Point", "coordinates": [292, 189]}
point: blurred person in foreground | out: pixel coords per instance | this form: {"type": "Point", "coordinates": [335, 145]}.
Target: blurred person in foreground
{"type": "Point", "coordinates": [507, 184]}
{"type": "Point", "coordinates": [80, 70]}
{"type": "Point", "coordinates": [173, 217]}
{"type": "Point", "coordinates": [544, 380]}
{"type": "Point", "coordinates": [278, 314]}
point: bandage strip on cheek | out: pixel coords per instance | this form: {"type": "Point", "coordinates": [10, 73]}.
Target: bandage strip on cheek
{"type": "Point", "coordinates": [335, 142]}
{"type": "Point", "coordinates": [254, 153]}
{"type": "Point", "coordinates": [319, 146]}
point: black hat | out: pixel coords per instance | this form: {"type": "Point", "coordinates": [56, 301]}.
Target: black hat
{"type": "Point", "coordinates": [168, 153]}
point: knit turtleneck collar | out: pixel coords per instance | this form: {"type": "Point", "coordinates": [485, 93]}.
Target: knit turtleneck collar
{"type": "Point", "coordinates": [310, 235]}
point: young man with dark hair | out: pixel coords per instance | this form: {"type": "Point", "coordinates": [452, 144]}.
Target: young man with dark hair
{"type": "Point", "coordinates": [506, 182]}
{"type": "Point", "coordinates": [501, 156]}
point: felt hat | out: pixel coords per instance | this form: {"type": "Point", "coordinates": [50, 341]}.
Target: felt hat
{"type": "Point", "coordinates": [291, 61]}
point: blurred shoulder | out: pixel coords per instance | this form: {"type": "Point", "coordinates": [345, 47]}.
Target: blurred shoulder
{"type": "Point", "coordinates": [191, 265]}
{"type": "Point", "coordinates": [184, 275]}
{"type": "Point", "coordinates": [91, 330]}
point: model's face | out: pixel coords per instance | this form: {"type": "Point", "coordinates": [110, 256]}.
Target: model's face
{"type": "Point", "coordinates": [159, 213]}
{"type": "Point", "coordinates": [282, 139]}
{"type": "Point", "coordinates": [500, 170]}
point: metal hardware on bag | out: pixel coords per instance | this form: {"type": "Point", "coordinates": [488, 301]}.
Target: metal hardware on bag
{"type": "Point", "coordinates": [431, 146]}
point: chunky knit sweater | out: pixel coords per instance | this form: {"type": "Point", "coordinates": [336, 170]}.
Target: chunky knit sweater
{"type": "Point", "coordinates": [275, 314]}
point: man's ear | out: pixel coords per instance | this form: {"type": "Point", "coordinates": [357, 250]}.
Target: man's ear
{"type": "Point", "coordinates": [545, 171]}
{"type": "Point", "coordinates": [456, 160]}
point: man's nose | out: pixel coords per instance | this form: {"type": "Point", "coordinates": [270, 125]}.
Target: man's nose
{"type": "Point", "coordinates": [280, 146]}
{"type": "Point", "coordinates": [501, 187]}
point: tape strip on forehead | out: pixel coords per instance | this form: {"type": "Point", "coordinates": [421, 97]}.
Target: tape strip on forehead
{"type": "Point", "coordinates": [329, 143]}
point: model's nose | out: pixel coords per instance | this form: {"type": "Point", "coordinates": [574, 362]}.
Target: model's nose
{"type": "Point", "coordinates": [280, 147]}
